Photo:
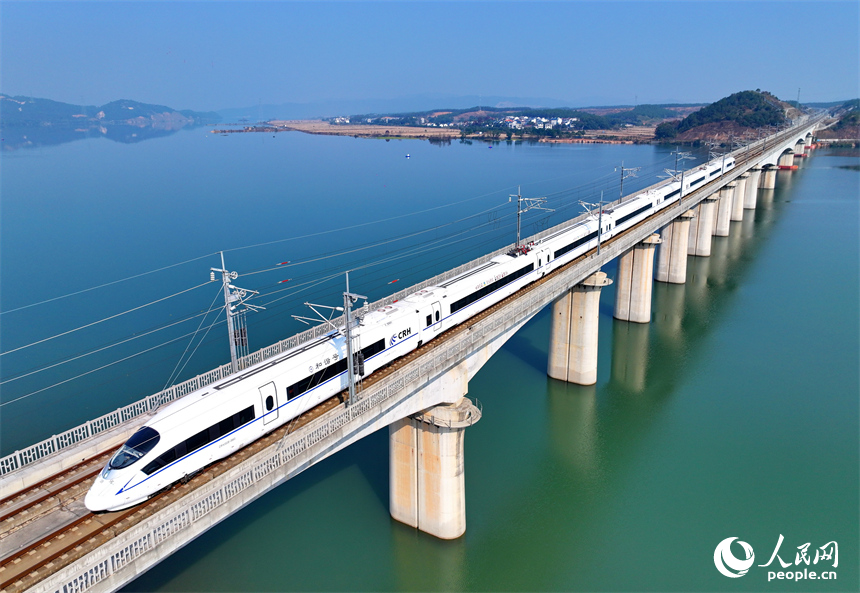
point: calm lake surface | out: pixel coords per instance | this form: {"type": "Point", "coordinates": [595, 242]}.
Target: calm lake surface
{"type": "Point", "coordinates": [733, 414]}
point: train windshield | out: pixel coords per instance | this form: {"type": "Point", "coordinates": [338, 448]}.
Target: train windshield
{"type": "Point", "coordinates": [136, 447]}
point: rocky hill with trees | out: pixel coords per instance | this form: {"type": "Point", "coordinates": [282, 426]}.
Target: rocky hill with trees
{"type": "Point", "coordinates": [734, 115]}
{"type": "Point", "coordinates": [847, 126]}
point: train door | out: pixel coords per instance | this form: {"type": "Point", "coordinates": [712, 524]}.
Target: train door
{"type": "Point", "coordinates": [269, 399]}
{"type": "Point", "coordinates": [437, 316]}
{"type": "Point", "coordinates": [543, 259]}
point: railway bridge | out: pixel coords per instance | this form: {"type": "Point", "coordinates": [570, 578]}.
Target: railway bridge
{"type": "Point", "coordinates": [50, 542]}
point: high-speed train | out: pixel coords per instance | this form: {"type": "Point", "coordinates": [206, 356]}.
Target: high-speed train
{"type": "Point", "coordinates": [221, 418]}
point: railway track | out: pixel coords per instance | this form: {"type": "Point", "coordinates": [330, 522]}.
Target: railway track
{"type": "Point", "coordinates": [25, 567]}
{"type": "Point", "coordinates": [61, 530]}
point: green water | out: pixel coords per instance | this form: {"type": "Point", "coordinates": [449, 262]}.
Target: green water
{"type": "Point", "coordinates": [733, 414]}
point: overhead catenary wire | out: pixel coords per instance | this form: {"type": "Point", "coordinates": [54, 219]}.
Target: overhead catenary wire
{"type": "Point", "coordinates": [100, 349]}
{"type": "Point", "coordinates": [309, 235]}
{"type": "Point", "coordinates": [415, 250]}
{"type": "Point", "coordinates": [399, 216]}
{"type": "Point", "coordinates": [357, 267]}
{"type": "Point", "coordinates": [106, 284]}
{"type": "Point", "coordinates": [193, 352]}
{"type": "Point", "coordinates": [208, 310]}
{"type": "Point", "coordinates": [104, 366]}
{"type": "Point", "coordinates": [407, 251]}
{"type": "Point", "coordinates": [371, 245]}
{"type": "Point", "coordinates": [71, 331]}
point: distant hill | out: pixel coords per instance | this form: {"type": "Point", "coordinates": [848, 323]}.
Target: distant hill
{"type": "Point", "coordinates": [31, 121]}
{"type": "Point", "coordinates": [36, 112]}
{"type": "Point", "coordinates": [388, 105]}
{"type": "Point", "coordinates": [847, 125]}
{"type": "Point", "coordinates": [735, 114]}
{"type": "Point", "coordinates": [589, 118]}
{"type": "Point", "coordinates": [827, 104]}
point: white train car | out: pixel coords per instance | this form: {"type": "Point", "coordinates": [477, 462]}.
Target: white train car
{"type": "Point", "coordinates": [219, 419]}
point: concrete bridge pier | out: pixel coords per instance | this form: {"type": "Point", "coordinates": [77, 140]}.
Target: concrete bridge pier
{"type": "Point", "coordinates": [768, 178]}
{"type": "Point", "coordinates": [738, 199]}
{"type": "Point", "coordinates": [751, 194]}
{"type": "Point", "coordinates": [426, 465]}
{"type": "Point", "coordinates": [672, 257]}
{"type": "Point", "coordinates": [573, 333]}
{"type": "Point", "coordinates": [724, 210]}
{"type": "Point", "coordinates": [635, 280]}
{"type": "Point", "coordinates": [786, 161]}
{"type": "Point", "coordinates": [701, 228]}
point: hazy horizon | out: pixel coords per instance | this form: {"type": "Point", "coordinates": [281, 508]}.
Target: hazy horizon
{"type": "Point", "coordinates": [222, 56]}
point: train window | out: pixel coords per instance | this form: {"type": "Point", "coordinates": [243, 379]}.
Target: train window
{"type": "Point", "coordinates": [539, 262]}
{"type": "Point", "coordinates": [429, 320]}
{"type": "Point", "coordinates": [198, 440]}
{"type": "Point", "coordinates": [627, 217]}
{"type": "Point", "coordinates": [140, 443]}
{"type": "Point", "coordinates": [270, 403]}
{"type": "Point", "coordinates": [490, 288]}
{"type": "Point", "coordinates": [225, 426]}
{"type": "Point", "coordinates": [246, 415]}
{"type": "Point", "coordinates": [165, 458]}
{"type": "Point", "coordinates": [374, 348]}
{"type": "Point", "coordinates": [333, 370]}
{"type": "Point", "coordinates": [575, 244]}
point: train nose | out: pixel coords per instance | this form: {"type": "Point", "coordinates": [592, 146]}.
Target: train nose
{"type": "Point", "coordinates": [93, 500]}
{"type": "Point", "coordinates": [100, 496]}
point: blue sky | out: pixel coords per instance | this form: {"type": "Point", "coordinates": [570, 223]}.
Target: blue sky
{"type": "Point", "coordinates": [215, 55]}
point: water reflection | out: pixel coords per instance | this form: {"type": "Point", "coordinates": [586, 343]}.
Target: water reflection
{"type": "Point", "coordinates": [765, 198]}
{"type": "Point", "coordinates": [423, 562]}
{"type": "Point", "coordinates": [648, 360]}
{"type": "Point", "coordinates": [17, 138]}
{"type": "Point", "coordinates": [784, 179]}
{"type": "Point", "coordinates": [668, 309]}
{"type": "Point", "coordinates": [573, 426]}
{"type": "Point", "coordinates": [630, 347]}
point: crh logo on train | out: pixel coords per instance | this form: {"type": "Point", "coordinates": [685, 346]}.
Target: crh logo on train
{"type": "Point", "coordinates": [399, 336]}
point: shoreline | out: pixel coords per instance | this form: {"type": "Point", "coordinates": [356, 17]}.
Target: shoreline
{"type": "Point", "coordinates": [324, 128]}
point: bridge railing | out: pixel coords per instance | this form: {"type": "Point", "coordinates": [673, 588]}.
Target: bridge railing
{"type": "Point", "coordinates": [56, 443]}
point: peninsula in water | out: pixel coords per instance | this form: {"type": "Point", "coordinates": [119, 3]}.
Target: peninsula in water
{"type": "Point", "coordinates": [32, 121]}
{"type": "Point", "coordinates": [744, 115]}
